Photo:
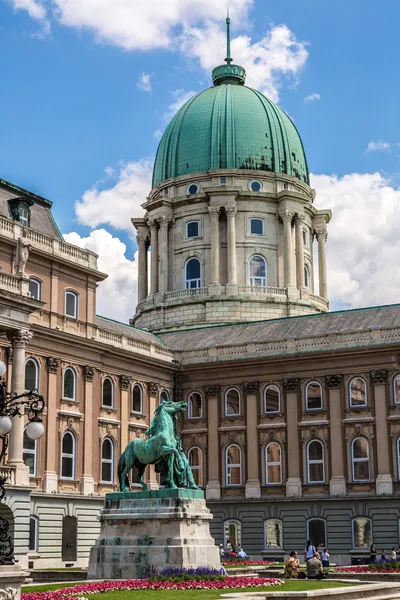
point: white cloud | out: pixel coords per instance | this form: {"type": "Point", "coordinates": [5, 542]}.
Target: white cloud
{"type": "Point", "coordinates": [144, 83]}
{"type": "Point", "coordinates": [119, 202]}
{"type": "Point", "coordinates": [36, 10]}
{"type": "Point", "coordinates": [157, 134]}
{"type": "Point", "coordinates": [363, 244]}
{"type": "Point", "coordinates": [378, 146]}
{"type": "Point", "coordinates": [312, 97]}
{"type": "Point", "coordinates": [117, 295]}
{"type": "Point", "coordinates": [180, 96]}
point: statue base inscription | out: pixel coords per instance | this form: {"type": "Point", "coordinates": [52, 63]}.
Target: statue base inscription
{"type": "Point", "coordinates": [148, 531]}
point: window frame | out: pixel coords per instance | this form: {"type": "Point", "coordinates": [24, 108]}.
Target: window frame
{"type": "Point", "coordinates": [108, 378]}
{"type": "Point", "coordinates": [272, 548]}
{"type": "Point", "coordinates": [307, 277]}
{"type": "Point", "coordinates": [255, 181]}
{"type": "Point", "coordinates": [189, 408]}
{"type": "Point", "coordinates": [351, 405]}
{"type": "Point", "coordinates": [306, 396]}
{"type": "Point", "coordinates": [305, 237]}
{"type": "Point", "coordinates": [192, 237]}
{"type": "Point", "coordinates": [272, 412]}
{"type": "Point", "coordinates": [275, 443]}
{"type": "Point", "coordinates": [228, 522]}
{"type": "Point", "coordinates": [107, 461]}
{"type": "Point", "coordinates": [353, 546]}
{"type": "Point", "coordinates": [24, 220]}
{"type": "Point", "coordinates": [252, 279]}
{"type": "Point", "coordinates": [36, 533]}
{"type": "Point", "coordinates": [251, 219]}
{"type": "Point", "coordinates": [33, 453]}
{"type": "Point", "coordinates": [233, 466]}
{"type": "Point", "coordinates": [199, 468]}
{"type": "Point", "coordinates": [198, 280]}
{"type": "Point", "coordinates": [38, 282]}
{"type": "Point", "coordinates": [395, 401]}
{"type": "Point", "coordinates": [192, 193]}
{"type": "Point", "coordinates": [65, 455]}
{"type": "Point", "coordinates": [308, 530]}
{"type": "Point", "coordinates": [353, 460]}
{"type": "Point", "coordinates": [76, 297]}
{"type": "Point", "coordinates": [239, 414]}
{"type": "Point", "coordinates": [315, 462]}
{"type": "Point", "coordinates": [37, 373]}
{"type": "Point", "coordinates": [137, 412]}
{"type": "Point", "coordinates": [75, 383]}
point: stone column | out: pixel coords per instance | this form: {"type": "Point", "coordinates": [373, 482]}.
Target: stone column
{"type": "Point", "coordinates": [293, 483]}
{"type": "Point", "coordinates": [337, 484]}
{"type": "Point", "coordinates": [215, 285]}
{"type": "Point", "coordinates": [163, 253]}
{"type": "Point", "coordinates": [287, 217]}
{"type": "Point", "coordinates": [154, 256]}
{"type": "Point", "coordinates": [253, 486]}
{"type": "Point", "coordinates": [125, 384]}
{"type": "Point", "coordinates": [322, 236]}
{"type": "Point", "coordinates": [19, 340]}
{"type": "Point", "coordinates": [152, 482]}
{"type": "Point", "coordinates": [50, 477]}
{"type": "Point", "coordinates": [87, 481]}
{"type": "Point", "coordinates": [384, 483]}
{"type": "Point", "coordinates": [231, 287]}
{"type": "Point", "coordinates": [213, 487]}
{"type": "Point", "coordinates": [300, 251]}
{"type": "Point", "coordinates": [141, 239]}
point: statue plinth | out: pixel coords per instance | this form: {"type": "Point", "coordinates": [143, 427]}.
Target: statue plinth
{"type": "Point", "coordinates": [147, 531]}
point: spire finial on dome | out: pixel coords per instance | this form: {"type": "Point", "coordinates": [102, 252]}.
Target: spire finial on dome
{"type": "Point", "coordinates": [228, 37]}
{"type": "Point", "coordinates": [229, 73]}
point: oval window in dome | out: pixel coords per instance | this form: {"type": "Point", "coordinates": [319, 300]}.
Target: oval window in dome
{"type": "Point", "coordinates": [255, 185]}
{"type": "Point", "coordinates": [193, 188]}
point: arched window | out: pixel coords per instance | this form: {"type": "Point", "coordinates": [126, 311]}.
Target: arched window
{"type": "Point", "coordinates": [31, 375]}
{"type": "Point", "coordinates": [30, 454]}
{"type": "Point", "coordinates": [68, 456]}
{"type": "Point", "coordinates": [233, 533]}
{"type": "Point", "coordinates": [272, 399]}
{"type": "Point", "coordinates": [305, 237]}
{"type": "Point", "coordinates": [361, 528]}
{"type": "Point", "coordinates": [69, 384]}
{"type": "Point", "coordinates": [195, 406]}
{"type": "Point", "coordinates": [195, 458]}
{"type": "Point", "coordinates": [315, 462]}
{"type": "Point", "coordinates": [164, 396]}
{"type": "Point", "coordinates": [233, 466]}
{"type": "Point", "coordinates": [35, 288]}
{"type": "Point", "coordinates": [137, 399]}
{"type": "Point", "coordinates": [257, 271]}
{"type": "Point", "coordinates": [71, 304]}
{"type": "Point", "coordinates": [107, 460]}
{"type": "Point", "coordinates": [273, 464]}
{"type": "Point", "coordinates": [360, 459]}
{"type": "Point", "coordinates": [396, 389]}
{"type": "Point", "coordinates": [306, 277]}
{"type": "Point", "coordinates": [33, 534]}
{"type": "Point", "coordinates": [313, 396]}
{"type": "Point", "coordinates": [273, 533]}
{"type": "Point", "coordinates": [232, 402]}
{"type": "Point", "coordinates": [108, 393]}
{"type": "Point", "coordinates": [357, 392]}
{"type": "Point", "coordinates": [193, 273]}
{"type": "Point", "coordinates": [316, 532]}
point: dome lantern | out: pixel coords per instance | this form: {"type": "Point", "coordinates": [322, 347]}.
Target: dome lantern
{"type": "Point", "coordinates": [229, 73]}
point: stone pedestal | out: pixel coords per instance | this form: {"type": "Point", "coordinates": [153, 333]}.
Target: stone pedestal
{"type": "Point", "coordinates": [148, 531]}
{"type": "Point", "coordinates": [293, 487]}
{"type": "Point", "coordinates": [337, 486]}
{"type": "Point", "coordinates": [11, 579]}
{"type": "Point", "coordinates": [384, 485]}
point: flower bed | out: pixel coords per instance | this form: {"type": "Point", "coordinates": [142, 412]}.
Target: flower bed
{"type": "Point", "coordinates": [82, 590]}
{"type": "Point", "coordinates": [242, 562]}
{"type": "Point", "coordinates": [372, 568]}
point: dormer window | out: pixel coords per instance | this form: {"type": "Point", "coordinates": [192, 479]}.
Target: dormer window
{"type": "Point", "coordinates": [20, 210]}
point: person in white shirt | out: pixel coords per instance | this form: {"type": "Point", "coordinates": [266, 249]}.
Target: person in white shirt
{"type": "Point", "coordinates": [394, 555]}
{"type": "Point", "coordinates": [309, 551]}
{"type": "Point", "coordinates": [325, 557]}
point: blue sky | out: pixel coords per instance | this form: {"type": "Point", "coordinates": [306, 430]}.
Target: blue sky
{"type": "Point", "coordinates": [71, 108]}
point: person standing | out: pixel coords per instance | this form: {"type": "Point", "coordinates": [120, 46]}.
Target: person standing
{"type": "Point", "coordinates": [372, 553]}
{"type": "Point", "coordinates": [325, 558]}
{"type": "Point", "coordinates": [309, 551]}
{"type": "Point", "coordinates": [393, 555]}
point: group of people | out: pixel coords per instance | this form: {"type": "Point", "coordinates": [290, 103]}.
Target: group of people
{"type": "Point", "coordinates": [231, 551]}
{"type": "Point", "coordinates": [315, 563]}
{"type": "Point", "coordinates": [375, 558]}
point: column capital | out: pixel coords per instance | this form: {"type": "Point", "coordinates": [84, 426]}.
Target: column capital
{"type": "Point", "coordinates": [286, 215]}
{"type": "Point", "coordinates": [379, 377]}
{"type": "Point", "coordinates": [125, 381]}
{"type": "Point", "coordinates": [251, 387]}
{"type": "Point", "coordinates": [153, 388]}
{"type": "Point", "coordinates": [321, 233]}
{"type": "Point", "coordinates": [291, 385]}
{"type": "Point", "coordinates": [89, 373]}
{"type": "Point", "coordinates": [334, 381]}
{"type": "Point", "coordinates": [53, 364]}
{"type": "Point", "coordinates": [21, 338]}
{"type": "Point", "coordinates": [141, 238]}
{"type": "Point", "coordinates": [231, 211]}
{"type": "Point", "coordinates": [164, 221]}
{"type": "Point", "coordinates": [212, 390]}
{"type": "Point", "coordinates": [300, 217]}
{"type": "Point", "coordinates": [9, 354]}
{"type": "Point", "coordinates": [152, 223]}
{"type": "Point", "coordinates": [214, 211]}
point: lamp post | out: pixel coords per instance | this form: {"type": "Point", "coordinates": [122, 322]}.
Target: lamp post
{"type": "Point", "coordinates": [12, 405]}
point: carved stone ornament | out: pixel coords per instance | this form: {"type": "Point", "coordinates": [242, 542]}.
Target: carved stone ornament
{"type": "Point", "coordinates": [142, 238]}
{"type": "Point", "coordinates": [89, 373]}
{"type": "Point", "coordinates": [9, 354]}
{"type": "Point", "coordinates": [125, 381]}
{"type": "Point", "coordinates": [212, 390]}
{"type": "Point", "coordinates": [153, 388]}
{"type": "Point", "coordinates": [251, 387]}
{"type": "Point", "coordinates": [334, 381]}
{"type": "Point", "coordinates": [231, 211]}
{"type": "Point", "coordinates": [214, 211]}
{"type": "Point", "coordinates": [9, 594]}
{"type": "Point", "coordinates": [379, 377]}
{"type": "Point", "coordinates": [21, 338]}
{"type": "Point", "coordinates": [164, 221]}
{"type": "Point", "coordinates": [53, 364]}
{"type": "Point", "coordinates": [286, 215]}
{"type": "Point", "coordinates": [291, 385]}
{"type": "Point", "coordinates": [322, 233]}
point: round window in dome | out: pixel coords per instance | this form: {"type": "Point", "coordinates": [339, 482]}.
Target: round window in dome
{"type": "Point", "coordinates": [255, 185]}
{"type": "Point", "coordinates": [193, 188]}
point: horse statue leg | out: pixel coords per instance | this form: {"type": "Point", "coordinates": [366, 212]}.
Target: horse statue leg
{"type": "Point", "coordinates": [141, 468]}
{"type": "Point", "coordinates": [122, 476]}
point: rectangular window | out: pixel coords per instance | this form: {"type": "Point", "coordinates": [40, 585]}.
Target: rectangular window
{"type": "Point", "coordinates": [193, 229]}
{"type": "Point", "coordinates": [33, 526]}
{"type": "Point", "coordinates": [67, 467]}
{"type": "Point", "coordinates": [257, 226]}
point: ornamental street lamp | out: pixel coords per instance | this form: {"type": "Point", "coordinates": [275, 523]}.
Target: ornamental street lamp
{"type": "Point", "coordinates": [12, 405]}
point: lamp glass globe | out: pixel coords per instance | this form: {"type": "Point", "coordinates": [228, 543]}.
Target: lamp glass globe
{"type": "Point", "coordinates": [3, 369]}
{"type": "Point", "coordinates": [35, 430]}
{"type": "Point", "coordinates": [5, 425]}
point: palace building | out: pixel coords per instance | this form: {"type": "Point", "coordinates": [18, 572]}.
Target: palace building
{"type": "Point", "coordinates": [293, 420]}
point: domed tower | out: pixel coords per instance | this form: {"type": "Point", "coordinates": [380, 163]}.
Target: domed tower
{"type": "Point", "coordinates": [230, 219]}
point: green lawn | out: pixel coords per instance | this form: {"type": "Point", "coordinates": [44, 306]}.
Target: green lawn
{"type": "Point", "coordinates": [289, 586]}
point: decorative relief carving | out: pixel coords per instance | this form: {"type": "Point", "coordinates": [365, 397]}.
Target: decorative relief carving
{"type": "Point", "coordinates": [291, 385]}
{"type": "Point", "coordinates": [321, 233]}
{"type": "Point", "coordinates": [164, 221]}
{"type": "Point", "coordinates": [214, 211]}
{"type": "Point", "coordinates": [231, 211]}
{"type": "Point", "coordinates": [125, 381]}
{"type": "Point", "coordinates": [212, 390]}
{"type": "Point", "coordinates": [21, 338]}
{"type": "Point", "coordinates": [286, 215]}
{"type": "Point", "coordinates": [334, 381]}
{"type": "Point", "coordinates": [153, 388]}
{"type": "Point", "coordinates": [379, 377]}
{"type": "Point", "coordinates": [9, 354]}
{"type": "Point", "coordinates": [89, 373]}
{"type": "Point", "coordinates": [251, 387]}
{"type": "Point", "coordinates": [9, 594]}
{"type": "Point", "coordinates": [53, 364]}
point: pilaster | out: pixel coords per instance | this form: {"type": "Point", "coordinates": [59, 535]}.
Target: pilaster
{"type": "Point", "coordinates": [213, 486]}
{"type": "Point", "coordinates": [288, 256]}
{"type": "Point", "coordinates": [293, 483]}
{"type": "Point", "coordinates": [125, 385]}
{"type": "Point", "coordinates": [87, 482]}
{"type": "Point", "coordinates": [300, 251]}
{"type": "Point", "coordinates": [215, 285]}
{"type": "Point", "coordinates": [253, 486]}
{"type": "Point", "coordinates": [50, 476]}
{"type": "Point", "coordinates": [384, 483]}
{"type": "Point", "coordinates": [337, 483]}
{"type": "Point", "coordinates": [231, 286]}
{"type": "Point", "coordinates": [153, 256]}
{"type": "Point", "coordinates": [163, 254]}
